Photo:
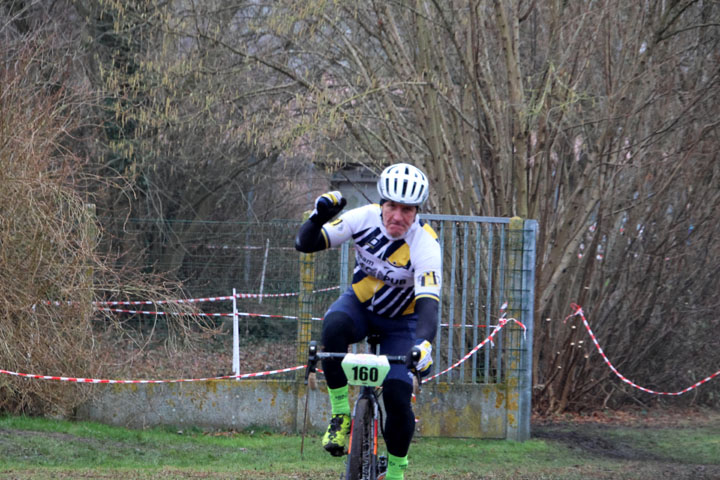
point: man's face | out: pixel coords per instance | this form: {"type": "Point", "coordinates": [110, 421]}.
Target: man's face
{"type": "Point", "coordinates": [397, 218]}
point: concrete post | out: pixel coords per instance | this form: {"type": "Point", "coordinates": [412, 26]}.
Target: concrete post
{"type": "Point", "coordinates": [517, 421]}
{"type": "Point", "coordinates": [305, 301]}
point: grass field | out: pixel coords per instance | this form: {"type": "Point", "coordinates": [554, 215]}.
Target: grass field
{"type": "Point", "coordinates": [645, 448]}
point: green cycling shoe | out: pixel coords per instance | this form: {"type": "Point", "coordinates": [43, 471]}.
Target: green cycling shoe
{"type": "Point", "coordinates": [335, 439]}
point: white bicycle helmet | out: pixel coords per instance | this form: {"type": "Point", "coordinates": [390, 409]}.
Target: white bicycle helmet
{"type": "Point", "coordinates": [403, 183]}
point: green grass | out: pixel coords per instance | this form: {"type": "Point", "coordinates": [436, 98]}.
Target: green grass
{"type": "Point", "coordinates": [87, 445]}
{"type": "Point", "coordinates": [43, 448]}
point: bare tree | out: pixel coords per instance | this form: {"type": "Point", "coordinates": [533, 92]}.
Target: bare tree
{"type": "Point", "coordinates": [182, 118]}
{"type": "Point", "coordinates": [595, 118]}
{"type": "Point", "coordinates": [51, 267]}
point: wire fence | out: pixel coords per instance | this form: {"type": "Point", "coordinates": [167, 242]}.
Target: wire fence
{"type": "Point", "coordinates": [484, 267]}
{"type": "Point", "coordinates": [212, 259]}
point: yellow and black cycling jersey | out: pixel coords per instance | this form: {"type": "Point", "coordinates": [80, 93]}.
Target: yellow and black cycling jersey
{"type": "Point", "coordinates": [390, 274]}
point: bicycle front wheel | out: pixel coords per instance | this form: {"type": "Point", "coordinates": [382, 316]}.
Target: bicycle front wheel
{"type": "Point", "coordinates": [360, 464]}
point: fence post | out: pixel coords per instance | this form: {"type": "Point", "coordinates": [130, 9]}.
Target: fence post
{"type": "Point", "coordinates": [517, 419]}
{"type": "Point", "coordinates": [528, 318]}
{"type": "Point", "coordinates": [236, 336]}
{"type": "Point", "coordinates": [305, 301]}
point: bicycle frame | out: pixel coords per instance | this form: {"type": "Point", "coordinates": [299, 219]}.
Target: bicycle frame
{"type": "Point", "coordinates": [363, 461]}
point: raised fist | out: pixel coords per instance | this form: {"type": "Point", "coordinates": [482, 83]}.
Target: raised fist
{"type": "Point", "coordinates": [327, 206]}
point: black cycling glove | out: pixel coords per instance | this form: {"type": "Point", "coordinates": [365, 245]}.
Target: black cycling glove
{"type": "Point", "coordinates": [327, 206]}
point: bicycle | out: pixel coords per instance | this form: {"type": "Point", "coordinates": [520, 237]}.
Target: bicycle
{"type": "Point", "coordinates": [368, 371]}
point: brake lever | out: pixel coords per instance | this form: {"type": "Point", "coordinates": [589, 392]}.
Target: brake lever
{"type": "Point", "coordinates": [312, 360]}
{"type": "Point", "coordinates": [414, 358]}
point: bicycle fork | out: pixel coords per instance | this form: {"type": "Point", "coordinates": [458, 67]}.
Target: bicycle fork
{"type": "Point", "coordinates": [363, 462]}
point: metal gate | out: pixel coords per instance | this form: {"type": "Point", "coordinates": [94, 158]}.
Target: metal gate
{"type": "Point", "coordinates": [485, 321]}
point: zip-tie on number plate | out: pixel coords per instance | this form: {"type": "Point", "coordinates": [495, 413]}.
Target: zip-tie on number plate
{"type": "Point", "coordinates": [365, 369]}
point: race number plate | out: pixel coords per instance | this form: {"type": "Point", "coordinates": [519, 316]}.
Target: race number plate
{"type": "Point", "coordinates": [365, 369]}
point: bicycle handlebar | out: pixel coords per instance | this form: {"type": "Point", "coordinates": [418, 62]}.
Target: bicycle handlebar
{"type": "Point", "coordinates": [340, 356]}
{"type": "Point", "coordinates": [411, 359]}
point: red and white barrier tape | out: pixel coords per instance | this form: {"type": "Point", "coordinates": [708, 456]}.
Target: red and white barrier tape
{"type": "Point", "coordinates": [239, 314]}
{"type": "Point", "coordinates": [163, 302]}
{"type": "Point", "coordinates": [159, 312]}
{"type": "Point", "coordinates": [244, 314]}
{"type": "Point", "coordinates": [196, 300]}
{"type": "Point", "coordinates": [239, 247]}
{"type": "Point", "coordinates": [501, 324]}
{"type": "Point", "coordinates": [466, 325]}
{"type": "Point", "coordinates": [182, 380]}
{"type": "Point", "coordinates": [578, 311]}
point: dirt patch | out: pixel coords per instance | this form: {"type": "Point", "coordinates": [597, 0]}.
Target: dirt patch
{"type": "Point", "coordinates": [660, 417]}
{"type": "Point", "coordinates": [593, 440]}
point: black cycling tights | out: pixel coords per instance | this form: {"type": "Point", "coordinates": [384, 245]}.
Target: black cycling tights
{"type": "Point", "coordinates": [400, 422]}
{"type": "Point", "coordinates": [337, 334]}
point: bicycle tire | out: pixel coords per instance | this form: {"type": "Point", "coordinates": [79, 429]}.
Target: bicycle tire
{"type": "Point", "coordinates": [361, 442]}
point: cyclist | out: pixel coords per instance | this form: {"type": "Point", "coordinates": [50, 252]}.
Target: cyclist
{"type": "Point", "coordinates": [395, 292]}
